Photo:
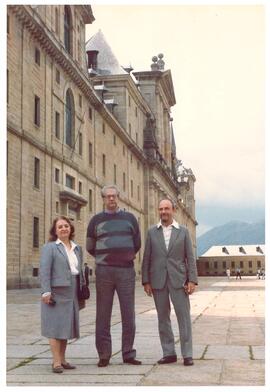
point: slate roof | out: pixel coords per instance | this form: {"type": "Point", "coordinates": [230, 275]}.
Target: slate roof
{"type": "Point", "coordinates": [235, 250]}
{"type": "Point", "coordinates": [107, 63]}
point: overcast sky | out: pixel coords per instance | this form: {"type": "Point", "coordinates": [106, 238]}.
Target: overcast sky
{"type": "Point", "coordinates": [216, 56]}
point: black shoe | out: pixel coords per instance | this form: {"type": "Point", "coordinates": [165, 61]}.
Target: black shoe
{"type": "Point", "coordinates": [168, 359]}
{"type": "Point", "coordinates": [132, 361]}
{"type": "Point", "coordinates": [188, 361]}
{"type": "Point", "coordinates": [103, 362]}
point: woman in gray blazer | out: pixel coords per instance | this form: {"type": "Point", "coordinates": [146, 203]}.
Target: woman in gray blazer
{"type": "Point", "coordinates": [60, 276]}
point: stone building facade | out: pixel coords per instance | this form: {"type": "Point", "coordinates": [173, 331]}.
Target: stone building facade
{"type": "Point", "coordinates": [75, 124]}
{"type": "Point", "coordinates": [249, 258]}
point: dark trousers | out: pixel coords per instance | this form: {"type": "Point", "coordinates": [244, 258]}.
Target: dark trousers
{"type": "Point", "coordinates": [109, 280]}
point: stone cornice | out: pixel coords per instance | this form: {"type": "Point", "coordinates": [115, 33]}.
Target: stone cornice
{"type": "Point", "coordinates": [38, 29]}
{"type": "Point", "coordinates": [87, 14]}
{"type": "Point", "coordinates": [31, 20]}
{"type": "Point", "coordinates": [164, 78]}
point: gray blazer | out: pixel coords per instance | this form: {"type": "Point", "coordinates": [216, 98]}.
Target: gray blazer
{"type": "Point", "coordinates": [178, 261]}
{"type": "Point", "coordinates": [54, 266]}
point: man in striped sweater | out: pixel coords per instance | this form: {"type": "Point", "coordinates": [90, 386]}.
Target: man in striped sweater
{"type": "Point", "coordinates": [113, 238]}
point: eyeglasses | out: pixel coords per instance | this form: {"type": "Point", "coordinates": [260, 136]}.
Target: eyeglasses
{"type": "Point", "coordinates": [110, 197]}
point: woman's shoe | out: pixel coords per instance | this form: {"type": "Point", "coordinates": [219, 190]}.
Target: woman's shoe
{"type": "Point", "coordinates": [68, 365]}
{"type": "Point", "coordinates": [57, 369]}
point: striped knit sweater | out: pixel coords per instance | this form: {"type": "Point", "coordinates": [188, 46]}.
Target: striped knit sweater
{"type": "Point", "coordinates": [113, 239]}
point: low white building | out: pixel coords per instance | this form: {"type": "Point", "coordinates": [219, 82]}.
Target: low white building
{"type": "Point", "coordinates": [215, 261]}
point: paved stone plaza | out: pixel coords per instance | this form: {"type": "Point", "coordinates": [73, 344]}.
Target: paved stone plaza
{"type": "Point", "coordinates": [228, 338]}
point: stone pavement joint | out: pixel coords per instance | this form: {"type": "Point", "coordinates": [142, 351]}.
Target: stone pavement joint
{"type": "Point", "coordinates": [224, 316]}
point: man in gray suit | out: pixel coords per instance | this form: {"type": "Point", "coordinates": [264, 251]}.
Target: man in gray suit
{"type": "Point", "coordinates": [169, 272]}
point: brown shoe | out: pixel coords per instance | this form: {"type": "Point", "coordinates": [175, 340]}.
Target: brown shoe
{"type": "Point", "coordinates": [168, 359]}
{"type": "Point", "coordinates": [57, 369]}
{"type": "Point", "coordinates": [188, 361]}
{"type": "Point", "coordinates": [68, 365]}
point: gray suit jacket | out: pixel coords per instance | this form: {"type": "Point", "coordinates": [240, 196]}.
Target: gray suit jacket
{"type": "Point", "coordinates": [54, 266]}
{"type": "Point", "coordinates": [178, 261]}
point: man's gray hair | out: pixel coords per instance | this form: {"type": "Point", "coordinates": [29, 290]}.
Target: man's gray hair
{"type": "Point", "coordinates": [170, 200]}
{"type": "Point", "coordinates": [104, 189]}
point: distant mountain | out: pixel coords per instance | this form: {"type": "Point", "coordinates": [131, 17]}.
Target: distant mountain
{"type": "Point", "coordinates": [232, 233]}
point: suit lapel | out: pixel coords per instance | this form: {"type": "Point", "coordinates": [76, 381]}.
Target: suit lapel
{"type": "Point", "coordinates": [174, 235]}
{"type": "Point", "coordinates": [161, 238]}
{"type": "Point", "coordinates": [61, 249]}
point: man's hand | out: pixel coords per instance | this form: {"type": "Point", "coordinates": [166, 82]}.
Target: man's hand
{"type": "Point", "coordinates": [46, 299]}
{"type": "Point", "coordinates": [148, 289]}
{"type": "Point", "coordinates": [190, 288]}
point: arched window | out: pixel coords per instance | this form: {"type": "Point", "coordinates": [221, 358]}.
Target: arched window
{"type": "Point", "coordinates": [70, 119]}
{"type": "Point", "coordinates": [56, 17]}
{"type": "Point", "coordinates": [68, 29]}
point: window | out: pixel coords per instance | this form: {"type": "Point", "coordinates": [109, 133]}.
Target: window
{"type": "Point", "coordinates": [8, 24]}
{"type": "Point", "coordinates": [136, 111]}
{"type": "Point", "coordinates": [224, 264]}
{"type": "Point", "coordinates": [207, 264]}
{"type": "Point", "coordinates": [80, 143]}
{"type": "Point", "coordinates": [36, 232]}
{"type": "Point", "coordinates": [114, 140]}
{"type": "Point", "coordinates": [124, 182]}
{"type": "Point", "coordinates": [136, 137]}
{"type": "Point", "coordinates": [80, 100]}
{"type": "Point", "coordinates": [80, 187]}
{"type": "Point", "coordinates": [138, 165]}
{"type": "Point", "coordinates": [36, 173]}
{"type": "Point", "coordinates": [70, 181]}
{"type": "Point", "coordinates": [37, 56]}
{"type": "Point", "coordinates": [129, 128]}
{"type": "Point", "coordinates": [233, 264]}
{"type": "Point", "coordinates": [35, 272]}
{"type": "Point", "coordinates": [103, 164]}
{"type": "Point", "coordinates": [241, 264]}
{"type": "Point", "coordinates": [138, 193]}
{"type": "Point", "coordinates": [57, 175]}
{"type": "Point", "coordinates": [57, 125]}
{"type": "Point", "coordinates": [70, 118]}
{"type": "Point", "coordinates": [90, 113]}
{"type": "Point", "coordinates": [7, 86]}
{"type": "Point", "coordinates": [103, 128]}
{"type": "Point", "coordinates": [114, 173]}
{"type": "Point", "coordinates": [67, 29]}
{"type": "Point", "coordinates": [215, 264]}
{"type": "Point", "coordinates": [90, 200]}
{"type": "Point", "coordinates": [56, 20]}
{"type": "Point", "coordinates": [129, 102]}
{"type": "Point", "coordinates": [124, 150]}
{"type": "Point", "coordinates": [250, 264]}
{"type": "Point", "coordinates": [79, 56]}
{"type": "Point", "coordinates": [57, 76]}
{"type": "Point", "coordinates": [57, 207]}
{"type": "Point", "coordinates": [7, 158]}
{"type": "Point", "coordinates": [37, 111]}
{"type": "Point", "coordinates": [90, 152]}
{"type": "Point", "coordinates": [131, 158]}
{"type": "Point", "coordinates": [131, 187]}
{"type": "Point", "coordinates": [258, 263]}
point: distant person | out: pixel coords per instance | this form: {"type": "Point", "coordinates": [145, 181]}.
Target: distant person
{"type": "Point", "coordinates": [169, 273]}
{"type": "Point", "coordinates": [259, 273]}
{"type": "Point", "coordinates": [60, 276]}
{"type": "Point", "coordinates": [238, 273]}
{"type": "Point", "coordinates": [86, 274]}
{"type": "Point", "coordinates": [262, 273]}
{"type": "Point", "coordinates": [228, 273]}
